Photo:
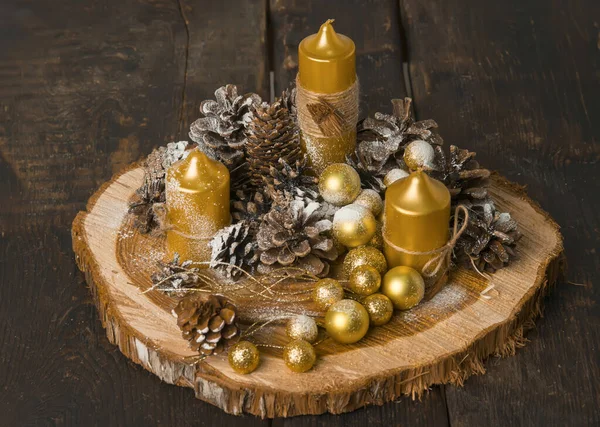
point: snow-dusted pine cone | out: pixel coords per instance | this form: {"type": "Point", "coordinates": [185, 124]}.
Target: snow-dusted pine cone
{"type": "Point", "coordinates": [235, 246]}
{"type": "Point", "coordinates": [208, 324]}
{"type": "Point", "coordinates": [295, 234]}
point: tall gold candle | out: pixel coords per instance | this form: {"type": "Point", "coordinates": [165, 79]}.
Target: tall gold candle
{"type": "Point", "coordinates": [327, 96]}
{"type": "Point", "coordinates": [197, 198]}
{"type": "Point", "coordinates": [417, 214]}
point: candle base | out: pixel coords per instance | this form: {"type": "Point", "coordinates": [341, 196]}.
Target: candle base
{"type": "Point", "coordinates": [188, 248]}
{"type": "Point", "coordinates": [322, 152]}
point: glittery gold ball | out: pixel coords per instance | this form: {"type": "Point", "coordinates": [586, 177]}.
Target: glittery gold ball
{"type": "Point", "coordinates": [371, 200]}
{"type": "Point", "coordinates": [364, 255]}
{"type": "Point", "coordinates": [347, 321]}
{"type": "Point", "coordinates": [377, 239]}
{"type": "Point", "coordinates": [354, 225]}
{"type": "Point", "coordinates": [393, 176]}
{"type": "Point", "coordinates": [243, 357]}
{"type": "Point", "coordinates": [327, 292]}
{"type": "Point", "coordinates": [339, 184]}
{"type": "Point", "coordinates": [299, 355]}
{"type": "Point", "coordinates": [364, 280]}
{"type": "Point", "coordinates": [404, 286]}
{"type": "Point", "coordinates": [302, 328]}
{"type": "Point", "coordinates": [419, 154]}
{"type": "Point", "coordinates": [380, 309]}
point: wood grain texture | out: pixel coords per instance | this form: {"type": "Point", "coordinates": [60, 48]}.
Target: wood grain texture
{"type": "Point", "coordinates": [443, 340]}
{"type": "Point", "coordinates": [518, 83]}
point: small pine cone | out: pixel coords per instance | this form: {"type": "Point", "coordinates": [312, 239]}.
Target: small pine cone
{"type": "Point", "coordinates": [295, 234]}
{"type": "Point", "coordinates": [290, 182]}
{"type": "Point", "coordinates": [175, 277]}
{"type": "Point", "coordinates": [288, 100]}
{"type": "Point", "coordinates": [235, 246]}
{"type": "Point", "coordinates": [272, 135]}
{"type": "Point", "coordinates": [208, 324]}
{"type": "Point", "coordinates": [489, 244]}
{"type": "Point", "coordinates": [220, 132]}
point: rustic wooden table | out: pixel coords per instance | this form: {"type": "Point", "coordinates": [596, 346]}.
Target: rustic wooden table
{"type": "Point", "coordinates": [87, 87]}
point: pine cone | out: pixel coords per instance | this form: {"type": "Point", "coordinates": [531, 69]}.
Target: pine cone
{"type": "Point", "coordinates": [382, 139]}
{"type": "Point", "coordinates": [235, 245]}
{"type": "Point", "coordinates": [489, 243]}
{"type": "Point", "coordinates": [288, 100]}
{"type": "Point", "coordinates": [250, 207]}
{"type": "Point", "coordinates": [209, 325]}
{"type": "Point", "coordinates": [464, 177]}
{"type": "Point", "coordinates": [272, 135]}
{"type": "Point", "coordinates": [220, 132]}
{"type": "Point", "coordinates": [152, 191]}
{"type": "Point", "coordinates": [174, 277]}
{"type": "Point", "coordinates": [295, 234]}
{"type": "Point", "coordinates": [290, 182]}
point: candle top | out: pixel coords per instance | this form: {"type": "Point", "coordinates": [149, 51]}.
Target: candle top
{"type": "Point", "coordinates": [418, 194]}
{"type": "Point", "coordinates": [198, 173]}
{"type": "Point", "coordinates": [327, 61]}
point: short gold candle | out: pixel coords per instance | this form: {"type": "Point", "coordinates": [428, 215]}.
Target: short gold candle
{"type": "Point", "coordinates": [327, 66]}
{"type": "Point", "coordinates": [197, 198]}
{"type": "Point", "coordinates": [417, 214]}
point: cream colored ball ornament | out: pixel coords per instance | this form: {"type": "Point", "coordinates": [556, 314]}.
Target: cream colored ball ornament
{"type": "Point", "coordinates": [371, 200]}
{"type": "Point", "coordinates": [302, 327]}
{"type": "Point", "coordinates": [354, 225]}
{"type": "Point", "coordinates": [339, 184]}
{"type": "Point", "coordinates": [393, 176]}
{"type": "Point", "coordinates": [419, 155]}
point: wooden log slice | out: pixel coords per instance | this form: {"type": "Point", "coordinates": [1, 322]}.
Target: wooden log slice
{"type": "Point", "coordinates": [443, 340]}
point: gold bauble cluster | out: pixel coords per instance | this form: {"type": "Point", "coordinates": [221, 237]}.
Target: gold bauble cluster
{"type": "Point", "coordinates": [404, 286]}
{"type": "Point", "coordinates": [243, 357]}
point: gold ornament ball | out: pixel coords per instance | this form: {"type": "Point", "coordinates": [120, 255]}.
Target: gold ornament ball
{"type": "Point", "coordinates": [339, 184]}
{"type": "Point", "coordinates": [354, 225]}
{"type": "Point", "coordinates": [380, 309]}
{"type": "Point", "coordinates": [419, 154]}
{"type": "Point", "coordinates": [364, 255]}
{"type": "Point", "coordinates": [302, 327]}
{"type": "Point", "coordinates": [393, 176]}
{"type": "Point", "coordinates": [404, 286]}
{"type": "Point", "coordinates": [371, 200]}
{"type": "Point", "coordinates": [365, 280]}
{"type": "Point", "coordinates": [299, 355]}
{"type": "Point", "coordinates": [243, 357]}
{"type": "Point", "coordinates": [327, 292]}
{"type": "Point", "coordinates": [347, 321]}
{"type": "Point", "coordinates": [377, 239]}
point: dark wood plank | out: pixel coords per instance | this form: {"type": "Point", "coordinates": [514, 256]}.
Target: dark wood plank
{"type": "Point", "coordinates": [227, 44]}
{"type": "Point", "coordinates": [85, 89]}
{"type": "Point", "coordinates": [373, 25]}
{"type": "Point", "coordinates": [518, 83]}
{"type": "Point", "coordinates": [375, 28]}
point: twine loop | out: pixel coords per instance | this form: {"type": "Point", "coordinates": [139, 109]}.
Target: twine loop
{"type": "Point", "coordinates": [442, 254]}
{"type": "Point", "coordinates": [325, 115]}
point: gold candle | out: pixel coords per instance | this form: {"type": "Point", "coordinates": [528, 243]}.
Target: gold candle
{"type": "Point", "coordinates": [417, 214]}
{"type": "Point", "coordinates": [197, 194]}
{"type": "Point", "coordinates": [327, 96]}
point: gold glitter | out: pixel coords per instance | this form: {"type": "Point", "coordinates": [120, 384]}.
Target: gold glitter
{"type": "Point", "coordinates": [380, 309]}
{"type": "Point", "coordinates": [299, 355]}
{"type": "Point", "coordinates": [327, 292]}
{"type": "Point", "coordinates": [243, 357]}
{"type": "Point", "coordinates": [339, 184]}
{"type": "Point", "coordinates": [365, 280]}
{"type": "Point", "coordinates": [302, 328]}
{"type": "Point", "coordinates": [364, 255]}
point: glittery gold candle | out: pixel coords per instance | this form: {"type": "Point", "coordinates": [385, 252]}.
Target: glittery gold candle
{"type": "Point", "coordinates": [327, 96]}
{"type": "Point", "coordinates": [417, 214]}
{"type": "Point", "coordinates": [197, 198]}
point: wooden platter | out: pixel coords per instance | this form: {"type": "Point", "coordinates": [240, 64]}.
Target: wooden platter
{"type": "Point", "coordinates": [443, 340]}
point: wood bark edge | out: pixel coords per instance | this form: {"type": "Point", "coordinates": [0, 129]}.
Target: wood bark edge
{"type": "Point", "coordinates": [501, 340]}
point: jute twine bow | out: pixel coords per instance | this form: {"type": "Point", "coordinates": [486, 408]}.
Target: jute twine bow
{"type": "Point", "coordinates": [443, 253]}
{"type": "Point", "coordinates": [323, 115]}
